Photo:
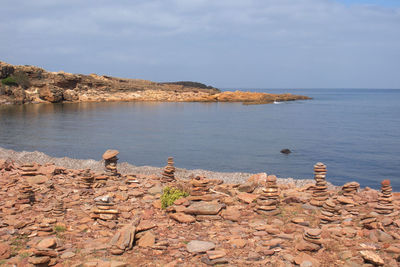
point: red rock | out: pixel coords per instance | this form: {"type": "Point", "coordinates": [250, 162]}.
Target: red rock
{"type": "Point", "coordinates": [147, 240]}
{"type": "Point", "coordinates": [182, 217]}
{"type": "Point", "coordinates": [247, 197]}
{"type": "Point", "coordinates": [385, 183]}
{"type": "Point", "coordinates": [46, 243]}
{"type": "Point", "coordinates": [5, 251]}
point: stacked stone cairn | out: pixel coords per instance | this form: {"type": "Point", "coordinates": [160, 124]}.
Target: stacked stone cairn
{"type": "Point", "coordinates": [28, 170]}
{"type": "Point", "coordinates": [58, 208]}
{"type": "Point", "coordinates": [131, 180]}
{"type": "Point", "coordinates": [168, 174]}
{"type": "Point", "coordinates": [86, 179]}
{"type": "Point", "coordinates": [385, 199]}
{"type": "Point", "coordinates": [367, 220]}
{"type": "Point", "coordinates": [100, 181]}
{"type": "Point", "coordinates": [110, 162]}
{"type": "Point", "coordinates": [26, 195]}
{"type": "Point", "coordinates": [350, 189]}
{"type": "Point", "coordinates": [330, 212]}
{"type": "Point", "coordinates": [105, 209]}
{"type": "Point", "coordinates": [313, 236]}
{"type": "Point", "coordinates": [199, 186]}
{"type": "Point", "coordinates": [320, 193]}
{"type": "Point", "coordinates": [268, 200]}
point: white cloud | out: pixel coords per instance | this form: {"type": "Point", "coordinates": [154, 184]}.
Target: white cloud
{"type": "Point", "coordinates": [204, 39]}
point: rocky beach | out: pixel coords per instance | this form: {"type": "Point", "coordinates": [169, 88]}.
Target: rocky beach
{"type": "Point", "coordinates": [29, 84]}
{"type": "Point", "coordinates": [68, 212]}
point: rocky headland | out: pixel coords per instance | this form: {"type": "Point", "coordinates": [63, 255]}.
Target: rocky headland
{"type": "Point", "coordinates": [30, 84]}
{"type": "Point", "coordinates": [102, 213]}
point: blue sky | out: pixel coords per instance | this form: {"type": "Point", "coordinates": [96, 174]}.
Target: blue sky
{"type": "Point", "coordinates": [224, 43]}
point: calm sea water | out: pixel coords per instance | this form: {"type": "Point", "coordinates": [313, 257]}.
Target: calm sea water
{"type": "Point", "coordinates": [356, 133]}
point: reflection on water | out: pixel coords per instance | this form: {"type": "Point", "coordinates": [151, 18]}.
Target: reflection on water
{"type": "Point", "coordinates": [355, 132]}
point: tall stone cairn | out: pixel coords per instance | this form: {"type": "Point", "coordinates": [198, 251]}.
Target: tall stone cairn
{"type": "Point", "coordinates": [268, 200]}
{"type": "Point", "coordinates": [385, 199]}
{"type": "Point", "coordinates": [105, 209]}
{"type": "Point", "coordinates": [320, 193]}
{"type": "Point", "coordinates": [168, 174]}
{"type": "Point", "coordinates": [110, 162]}
{"type": "Point", "coordinates": [348, 199]}
{"type": "Point", "coordinates": [199, 186]}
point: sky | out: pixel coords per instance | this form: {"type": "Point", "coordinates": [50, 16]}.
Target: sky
{"type": "Point", "coordinates": [223, 43]}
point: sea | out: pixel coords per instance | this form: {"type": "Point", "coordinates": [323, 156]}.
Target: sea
{"type": "Point", "coordinates": [355, 132]}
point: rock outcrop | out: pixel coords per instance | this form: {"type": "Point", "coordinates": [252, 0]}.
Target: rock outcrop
{"type": "Point", "coordinates": [30, 84]}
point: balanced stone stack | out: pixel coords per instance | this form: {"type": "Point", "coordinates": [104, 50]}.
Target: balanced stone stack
{"type": "Point", "coordinates": [131, 179]}
{"type": "Point", "coordinates": [268, 200]}
{"type": "Point", "coordinates": [313, 236]}
{"type": "Point", "coordinates": [58, 208]}
{"type": "Point", "coordinates": [26, 195]}
{"type": "Point", "coordinates": [100, 181]}
{"type": "Point", "coordinates": [199, 186]}
{"type": "Point", "coordinates": [168, 174]}
{"type": "Point", "coordinates": [350, 189]}
{"type": "Point", "coordinates": [349, 206]}
{"type": "Point", "coordinates": [28, 170]}
{"type": "Point", "coordinates": [110, 162]}
{"type": "Point", "coordinates": [330, 212]}
{"type": "Point", "coordinates": [105, 209]}
{"type": "Point", "coordinates": [367, 220]}
{"type": "Point", "coordinates": [385, 199]}
{"type": "Point", "coordinates": [320, 193]}
{"type": "Point", "coordinates": [86, 179]}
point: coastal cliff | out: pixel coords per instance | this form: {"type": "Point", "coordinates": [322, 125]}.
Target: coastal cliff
{"type": "Point", "coordinates": [30, 84]}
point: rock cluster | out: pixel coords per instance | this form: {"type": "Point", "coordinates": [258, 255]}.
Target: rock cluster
{"type": "Point", "coordinates": [43, 253]}
{"type": "Point", "coordinates": [28, 169]}
{"type": "Point", "coordinates": [330, 212]}
{"type": "Point", "coordinates": [385, 199]}
{"type": "Point", "coordinates": [105, 209]}
{"type": "Point", "coordinates": [168, 174]}
{"type": "Point", "coordinates": [320, 192]}
{"type": "Point", "coordinates": [110, 162]}
{"type": "Point", "coordinates": [268, 200]}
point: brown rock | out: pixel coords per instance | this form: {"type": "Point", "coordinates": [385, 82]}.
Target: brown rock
{"type": "Point", "coordinates": [5, 251]}
{"type": "Point", "coordinates": [372, 257]}
{"type": "Point", "coordinates": [147, 240]}
{"type": "Point", "coordinates": [247, 197]}
{"type": "Point", "coordinates": [46, 243]}
{"type": "Point", "coordinates": [182, 217]}
{"type": "Point", "coordinates": [110, 153]}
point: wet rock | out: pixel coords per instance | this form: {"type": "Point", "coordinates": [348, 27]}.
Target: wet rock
{"type": "Point", "coordinates": [286, 151]}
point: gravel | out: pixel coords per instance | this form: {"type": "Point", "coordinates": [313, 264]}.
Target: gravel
{"type": "Point", "coordinates": [126, 168]}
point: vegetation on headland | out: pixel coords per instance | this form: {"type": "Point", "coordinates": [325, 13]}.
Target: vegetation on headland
{"type": "Point", "coordinates": [170, 194]}
{"type": "Point", "coordinates": [29, 84]}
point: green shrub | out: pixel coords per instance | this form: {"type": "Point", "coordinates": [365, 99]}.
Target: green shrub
{"type": "Point", "coordinates": [21, 79]}
{"type": "Point", "coordinates": [170, 194]}
{"type": "Point", "coordinates": [9, 81]}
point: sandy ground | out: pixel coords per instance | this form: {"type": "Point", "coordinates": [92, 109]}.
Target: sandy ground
{"type": "Point", "coordinates": [126, 168]}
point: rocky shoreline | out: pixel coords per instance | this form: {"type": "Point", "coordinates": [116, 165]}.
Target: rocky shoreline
{"type": "Point", "coordinates": [30, 84]}
{"type": "Point", "coordinates": [66, 212]}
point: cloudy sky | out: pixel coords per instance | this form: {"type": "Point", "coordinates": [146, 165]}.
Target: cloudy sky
{"type": "Point", "coordinates": [225, 43]}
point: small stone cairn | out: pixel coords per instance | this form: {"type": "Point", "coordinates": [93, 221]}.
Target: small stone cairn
{"type": "Point", "coordinates": [86, 179]}
{"type": "Point", "coordinates": [199, 186]}
{"type": "Point", "coordinates": [28, 170]}
{"type": "Point", "coordinates": [168, 174]}
{"type": "Point", "coordinates": [385, 199]}
{"type": "Point", "coordinates": [131, 180]}
{"type": "Point", "coordinates": [105, 209]}
{"type": "Point", "coordinates": [350, 189]}
{"type": "Point", "coordinates": [267, 202]}
{"type": "Point", "coordinates": [110, 162]}
{"type": "Point", "coordinates": [313, 236]}
{"type": "Point", "coordinates": [26, 195]}
{"type": "Point", "coordinates": [330, 212]}
{"type": "Point", "coordinates": [320, 193]}
{"type": "Point", "coordinates": [58, 208]}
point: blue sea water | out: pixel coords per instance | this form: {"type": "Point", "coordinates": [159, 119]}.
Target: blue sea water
{"type": "Point", "coordinates": [355, 132]}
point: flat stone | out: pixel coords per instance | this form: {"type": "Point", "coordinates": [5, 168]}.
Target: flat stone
{"type": "Point", "coordinates": [67, 255]}
{"type": "Point", "coordinates": [46, 243]}
{"type": "Point", "coordinates": [247, 197]}
{"type": "Point", "coordinates": [372, 257]}
{"type": "Point", "coordinates": [38, 179]}
{"type": "Point", "coordinates": [198, 246]}
{"type": "Point", "coordinates": [203, 208]}
{"type": "Point", "coordinates": [147, 240]}
{"type": "Point", "coordinates": [215, 254]}
{"type": "Point", "coordinates": [182, 217]}
{"type": "Point", "coordinates": [110, 153]}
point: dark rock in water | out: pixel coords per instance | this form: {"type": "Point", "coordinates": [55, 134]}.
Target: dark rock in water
{"type": "Point", "coordinates": [286, 151]}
